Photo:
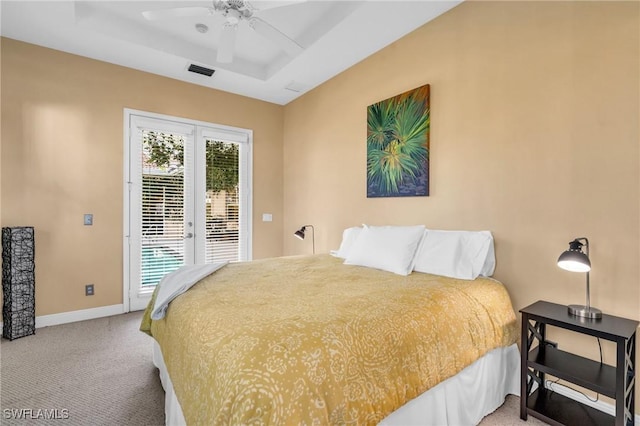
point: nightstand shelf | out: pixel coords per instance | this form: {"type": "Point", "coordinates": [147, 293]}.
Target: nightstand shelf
{"type": "Point", "coordinates": [556, 409]}
{"type": "Point", "coordinates": [575, 369]}
{"type": "Point", "coordinates": [537, 361]}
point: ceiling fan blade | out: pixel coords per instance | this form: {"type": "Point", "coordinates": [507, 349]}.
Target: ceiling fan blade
{"type": "Point", "coordinates": [267, 4]}
{"type": "Point", "coordinates": [176, 12]}
{"type": "Point", "coordinates": [271, 33]}
{"type": "Point", "coordinates": [227, 43]}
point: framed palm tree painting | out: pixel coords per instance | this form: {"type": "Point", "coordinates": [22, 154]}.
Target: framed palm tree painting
{"type": "Point", "coordinates": [398, 145]}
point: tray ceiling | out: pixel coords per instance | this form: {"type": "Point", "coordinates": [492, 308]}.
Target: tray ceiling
{"type": "Point", "coordinates": [334, 35]}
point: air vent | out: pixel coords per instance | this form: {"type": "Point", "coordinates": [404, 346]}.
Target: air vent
{"type": "Point", "coordinates": [295, 86]}
{"type": "Point", "coordinates": [201, 70]}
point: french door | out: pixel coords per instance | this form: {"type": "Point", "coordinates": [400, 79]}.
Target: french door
{"type": "Point", "coordinates": [187, 198]}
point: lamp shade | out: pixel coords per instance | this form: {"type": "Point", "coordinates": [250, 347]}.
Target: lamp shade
{"type": "Point", "coordinates": [300, 233]}
{"type": "Point", "coordinates": [574, 259]}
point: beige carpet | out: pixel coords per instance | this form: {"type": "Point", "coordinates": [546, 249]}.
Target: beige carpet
{"type": "Point", "coordinates": [100, 372]}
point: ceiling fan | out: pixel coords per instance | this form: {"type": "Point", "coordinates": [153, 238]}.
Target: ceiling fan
{"type": "Point", "coordinates": [234, 11]}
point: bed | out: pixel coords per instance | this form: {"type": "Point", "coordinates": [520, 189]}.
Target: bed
{"type": "Point", "coordinates": [310, 340]}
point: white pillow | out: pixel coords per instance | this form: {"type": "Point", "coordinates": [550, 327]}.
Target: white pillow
{"type": "Point", "coordinates": [456, 254]}
{"type": "Point", "coordinates": [349, 237]}
{"type": "Point", "coordinates": [390, 248]}
{"type": "Point", "coordinates": [489, 266]}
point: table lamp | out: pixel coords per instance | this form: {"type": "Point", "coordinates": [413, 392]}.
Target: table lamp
{"type": "Point", "coordinates": [300, 233]}
{"type": "Point", "coordinates": [575, 260]}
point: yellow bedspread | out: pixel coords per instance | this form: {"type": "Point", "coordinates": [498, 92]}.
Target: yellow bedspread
{"type": "Point", "coordinates": [307, 340]}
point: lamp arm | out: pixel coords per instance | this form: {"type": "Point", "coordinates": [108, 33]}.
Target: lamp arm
{"type": "Point", "coordinates": [313, 237]}
{"type": "Point", "coordinates": [588, 292]}
{"type": "Point", "coordinates": [586, 243]}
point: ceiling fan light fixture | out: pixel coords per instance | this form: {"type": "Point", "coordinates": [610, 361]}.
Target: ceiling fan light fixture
{"type": "Point", "coordinates": [232, 16]}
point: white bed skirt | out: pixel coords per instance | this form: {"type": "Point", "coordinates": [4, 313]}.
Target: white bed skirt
{"type": "Point", "coordinates": [463, 399]}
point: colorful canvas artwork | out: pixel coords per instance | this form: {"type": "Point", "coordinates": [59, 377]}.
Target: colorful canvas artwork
{"type": "Point", "coordinates": [398, 145]}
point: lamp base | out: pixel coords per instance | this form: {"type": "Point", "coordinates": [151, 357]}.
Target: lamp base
{"type": "Point", "coordinates": [585, 312]}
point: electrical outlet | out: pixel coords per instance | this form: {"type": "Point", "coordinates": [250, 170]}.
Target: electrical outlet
{"type": "Point", "coordinates": [88, 290]}
{"type": "Point", "coordinates": [88, 219]}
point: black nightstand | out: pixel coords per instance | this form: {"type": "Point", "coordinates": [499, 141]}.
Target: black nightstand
{"type": "Point", "coordinates": [615, 382]}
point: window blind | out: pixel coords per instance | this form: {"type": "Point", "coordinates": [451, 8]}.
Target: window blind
{"type": "Point", "coordinates": [163, 200]}
{"type": "Point", "coordinates": [222, 201]}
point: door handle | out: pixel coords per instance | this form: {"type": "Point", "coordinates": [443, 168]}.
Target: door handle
{"type": "Point", "coordinates": [189, 235]}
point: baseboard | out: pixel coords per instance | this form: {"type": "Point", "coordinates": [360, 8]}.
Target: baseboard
{"type": "Point", "coordinates": [74, 316]}
{"type": "Point", "coordinates": [598, 405]}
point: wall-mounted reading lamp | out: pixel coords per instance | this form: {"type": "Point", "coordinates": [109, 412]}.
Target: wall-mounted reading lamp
{"type": "Point", "coordinates": [300, 233]}
{"type": "Point", "coordinates": [576, 261]}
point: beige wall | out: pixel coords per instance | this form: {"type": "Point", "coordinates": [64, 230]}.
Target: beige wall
{"type": "Point", "coordinates": [62, 156]}
{"type": "Point", "coordinates": [534, 136]}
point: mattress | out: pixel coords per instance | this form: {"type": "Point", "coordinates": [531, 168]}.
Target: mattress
{"type": "Point", "coordinates": [309, 340]}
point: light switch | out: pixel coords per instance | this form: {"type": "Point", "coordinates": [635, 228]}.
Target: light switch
{"type": "Point", "coordinates": [267, 217]}
{"type": "Point", "coordinates": [88, 219]}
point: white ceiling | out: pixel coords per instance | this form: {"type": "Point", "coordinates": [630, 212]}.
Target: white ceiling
{"type": "Point", "coordinates": [334, 34]}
